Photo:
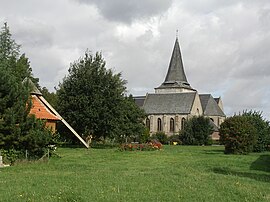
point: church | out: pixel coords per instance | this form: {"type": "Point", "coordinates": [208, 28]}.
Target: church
{"type": "Point", "coordinates": [175, 101]}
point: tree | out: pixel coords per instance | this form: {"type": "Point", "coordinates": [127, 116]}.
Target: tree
{"type": "Point", "coordinates": [238, 135]}
{"type": "Point", "coordinates": [8, 47]}
{"type": "Point", "coordinates": [51, 97]}
{"type": "Point", "coordinates": [262, 129]}
{"type": "Point", "coordinates": [18, 130]}
{"type": "Point", "coordinates": [130, 121]}
{"type": "Point", "coordinates": [10, 57]}
{"type": "Point", "coordinates": [92, 99]}
{"type": "Point", "coordinates": [197, 131]}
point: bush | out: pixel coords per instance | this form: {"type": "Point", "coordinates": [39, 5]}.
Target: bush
{"type": "Point", "coordinates": [161, 137]}
{"type": "Point", "coordinates": [262, 129]}
{"type": "Point", "coordinates": [197, 131]}
{"type": "Point", "coordinates": [238, 135]}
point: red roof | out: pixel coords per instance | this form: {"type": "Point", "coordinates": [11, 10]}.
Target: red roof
{"type": "Point", "coordinates": [40, 110]}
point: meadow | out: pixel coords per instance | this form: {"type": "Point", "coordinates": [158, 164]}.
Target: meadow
{"type": "Point", "coordinates": [175, 173]}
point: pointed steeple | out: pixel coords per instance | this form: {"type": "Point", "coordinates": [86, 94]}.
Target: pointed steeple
{"type": "Point", "coordinates": [176, 68]}
{"type": "Point", "coordinates": [176, 77]}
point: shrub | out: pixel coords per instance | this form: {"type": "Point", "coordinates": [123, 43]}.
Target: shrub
{"type": "Point", "coordinates": [262, 129]}
{"type": "Point", "coordinates": [238, 135]}
{"type": "Point", "coordinates": [197, 131]}
{"type": "Point", "coordinates": [161, 137]}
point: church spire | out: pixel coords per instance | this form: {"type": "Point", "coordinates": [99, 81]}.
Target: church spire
{"type": "Point", "coordinates": [176, 71]}
{"type": "Point", "coordinates": [176, 77]}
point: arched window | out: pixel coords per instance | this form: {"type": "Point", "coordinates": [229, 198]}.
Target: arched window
{"type": "Point", "coordinates": [198, 112]}
{"type": "Point", "coordinates": [183, 122]}
{"type": "Point", "coordinates": [147, 123]}
{"type": "Point", "coordinates": [159, 127]}
{"type": "Point", "coordinates": [171, 125]}
{"type": "Point", "coordinates": [212, 120]}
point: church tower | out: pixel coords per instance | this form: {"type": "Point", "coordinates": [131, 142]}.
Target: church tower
{"type": "Point", "coordinates": [175, 80]}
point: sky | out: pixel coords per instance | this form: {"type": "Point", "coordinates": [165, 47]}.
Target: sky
{"type": "Point", "coordinates": [225, 44]}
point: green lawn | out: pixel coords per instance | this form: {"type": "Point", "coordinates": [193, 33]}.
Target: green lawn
{"type": "Point", "coordinates": [176, 173]}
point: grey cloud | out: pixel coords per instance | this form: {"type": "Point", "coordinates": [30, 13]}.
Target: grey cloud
{"type": "Point", "coordinates": [128, 10]}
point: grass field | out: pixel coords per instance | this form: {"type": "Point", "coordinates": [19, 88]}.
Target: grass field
{"type": "Point", "coordinates": [176, 173]}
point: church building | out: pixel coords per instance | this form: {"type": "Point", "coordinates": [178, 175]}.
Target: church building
{"type": "Point", "coordinates": [175, 101]}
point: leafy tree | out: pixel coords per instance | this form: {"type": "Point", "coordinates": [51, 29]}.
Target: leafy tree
{"type": "Point", "coordinates": [238, 135]}
{"type": "Point", "coordinates": [130, 121]}
{"type": "Point", "coordinates": [197, 131]}
{"type": "Point", "coordinates": [91, 98]}
{"type": "Point", "coordinates": [262, 129]}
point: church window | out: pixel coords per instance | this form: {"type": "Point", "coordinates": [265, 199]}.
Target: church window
{"type": "Point", "coordinates": [147, 123]}
{"type": "Point", "coordinates": [171, 125]}
{"type": "Point", "coordinates": [159, 127]}
{"type": "Point", "coordinates": [183, 122]}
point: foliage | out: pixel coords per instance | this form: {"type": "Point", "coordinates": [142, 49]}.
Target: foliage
{"type": "Point", "coordinates": [197, 131]}
{"type": "Point", "coordinates": [161, 137]}
{"type": "Point", "coordinates": [51, 97]}
{"type": "Point", "coordinates": [145, 136]}
{"type": "Point", "coordinates": [238, 135]}
{"type": "Point", "coordinates": [130, 121]}
{"type": "Point", "coordinates": [18, 131]}
{"type": "Point", "coordinates": [262, 129]}
{"type": "Point", "coordinates": [91, 98]}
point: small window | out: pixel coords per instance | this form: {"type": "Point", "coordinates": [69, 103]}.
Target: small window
{"type": "Point", "coordinates": [171, 125]}
{"type": "Point", "coordinates": [159, 127]}
{"type": "Point", "coordinates": [183, 122]}
{"type": "Point", "coordinates": [212, 120]}
{"type": "Point", "coordinates": [147, 123]}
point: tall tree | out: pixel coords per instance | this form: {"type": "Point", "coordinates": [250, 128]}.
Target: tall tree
{"type": "Point", "coordinates": [17, 129]}
{"type": "Point", "coordinates": [8, 47]}
{"type": "Point", "coordinates": [92, 98]}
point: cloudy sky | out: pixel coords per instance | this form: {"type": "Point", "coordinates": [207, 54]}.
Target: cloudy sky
{"type": "Point", "coordinates": [225, 43]}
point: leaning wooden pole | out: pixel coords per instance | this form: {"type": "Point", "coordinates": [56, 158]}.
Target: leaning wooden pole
{"type": "Point", "coordinates": [63, 121]}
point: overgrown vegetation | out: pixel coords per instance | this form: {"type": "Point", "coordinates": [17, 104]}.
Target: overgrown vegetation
{"type": "Point", "coordinates": [18, 130]}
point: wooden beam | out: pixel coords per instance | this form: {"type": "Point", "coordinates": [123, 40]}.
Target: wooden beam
{"type": "Point", "coordinates": [63, 121]}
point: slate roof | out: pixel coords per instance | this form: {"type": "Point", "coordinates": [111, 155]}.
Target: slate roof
{"type": "Point", "coordinates": [32, 86]}
{"type": "Point", "coordinates": [139, 100]}
{"type": "Point", "coordinates": [172, 103]}
{"type": "Point", "coordinates": [210, 106]}
{"type": "Point", "coordinates": [40, 110]}
{"type": "Point", "coordinates": [176, 76]}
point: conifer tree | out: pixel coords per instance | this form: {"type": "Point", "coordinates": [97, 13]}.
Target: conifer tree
{"type": "Point", "coordinates": [18, 130]}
